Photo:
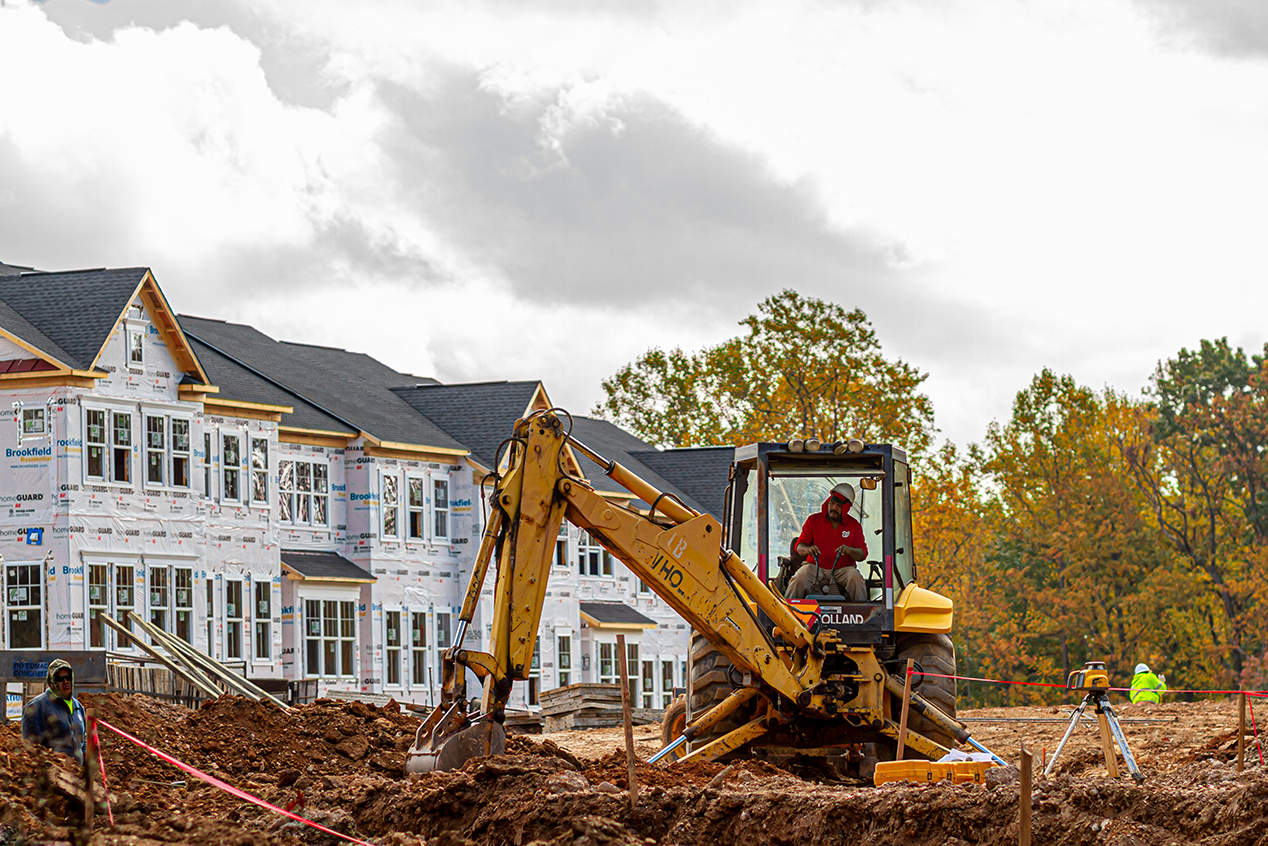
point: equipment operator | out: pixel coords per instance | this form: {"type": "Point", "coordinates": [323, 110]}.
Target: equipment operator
{"type": "Point", "coordinates": [835, 541]}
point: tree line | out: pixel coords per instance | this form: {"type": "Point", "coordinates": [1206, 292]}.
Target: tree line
{"type": "Point", "coordinates": [1089, 525]}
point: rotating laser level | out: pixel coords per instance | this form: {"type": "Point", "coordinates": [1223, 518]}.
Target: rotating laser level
{"type": "Point", "coordinates": [1093, 681]}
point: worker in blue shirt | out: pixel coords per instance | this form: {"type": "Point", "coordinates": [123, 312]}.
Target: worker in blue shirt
{"type": "Point", "coordinates": [55, 718]}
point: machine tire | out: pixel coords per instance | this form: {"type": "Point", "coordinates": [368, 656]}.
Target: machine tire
{"type": "Point", "coordinates": [936, 654]}
{"type": "Point", "coordinates": [710, 684]}
{"type": "Point", "coordinates": [672, 725]}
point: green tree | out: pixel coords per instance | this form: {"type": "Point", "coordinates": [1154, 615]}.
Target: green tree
{"type": "Point", "coordinates": [804, 367]}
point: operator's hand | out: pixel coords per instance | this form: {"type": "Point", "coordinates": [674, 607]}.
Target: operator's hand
{"type": "Point", "coordinates": [807, 550]}
{"type": "Point", "coordinates": [853, 552]}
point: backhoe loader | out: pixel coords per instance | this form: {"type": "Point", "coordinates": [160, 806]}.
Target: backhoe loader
{"type": "Point", "coordinates": [773, 678]}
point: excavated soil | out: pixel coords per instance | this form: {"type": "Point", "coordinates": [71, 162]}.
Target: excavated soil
{"type": "Point", "coordinates": [340, 764]}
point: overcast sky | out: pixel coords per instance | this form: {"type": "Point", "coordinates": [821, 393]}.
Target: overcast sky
{"type": "Point", "coordinates": [478, 191]}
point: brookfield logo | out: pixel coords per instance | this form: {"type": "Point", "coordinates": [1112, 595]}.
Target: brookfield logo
{"type": "Point", "coordinates": [356, 497]}
{"type": "Point", "coordinates": [28, 452]}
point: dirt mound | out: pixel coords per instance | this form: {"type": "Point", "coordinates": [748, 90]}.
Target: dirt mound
{"type": "Point", "coordinates": [325, 761]}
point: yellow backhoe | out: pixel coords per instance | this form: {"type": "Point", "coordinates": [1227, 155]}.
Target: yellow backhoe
{"type": "Point", "coordinates": [773, 678]}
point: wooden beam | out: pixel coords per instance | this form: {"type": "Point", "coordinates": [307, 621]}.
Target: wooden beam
{"type": "Point", "coordinates": [313, 437]}
{"type": "Point", "coordinates": [629, 724]}
{"type": "Point", "coordinates": [57, 380]}
{"type": "Point", "coordinates": [198, 680]}
{"type": "Point", "coordinates": [1023, 824]}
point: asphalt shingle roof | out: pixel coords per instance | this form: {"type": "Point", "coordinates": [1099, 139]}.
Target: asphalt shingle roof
{"type": "Point", "coordinates": [239, 383]}
{"type": "Point", "coordinates": [352, 387]}
{"type": "Point", "coordinates": [68, 315]}
{"type": "Point", "coordinates": [479, 414]}
{"type": "Point", "coordinates": [616, 444]}
{"type": "Point", "coordinates": [615, 613]}
{"type": "Point", "coordinates": [326, 566]}
{"type": "Point", "coordinates": [700, 472]}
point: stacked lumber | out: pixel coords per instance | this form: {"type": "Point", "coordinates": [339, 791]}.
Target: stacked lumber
{"type": "Point", "coordinates": [587, 706]}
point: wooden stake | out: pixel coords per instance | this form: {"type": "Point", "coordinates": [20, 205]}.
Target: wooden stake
{"type": "Point", "coordinates": [90, 758]}
{"type": "Point", "coordinates": [1107, 742]}
{"type": "Point", "coordinates": [1023, 827]}
{"type": "Point", "coordinates": [902, 723]}
{"type": "Point", "coordinates": [1241, 732]}
{"type": "Point", "coordinates": [629, 723]}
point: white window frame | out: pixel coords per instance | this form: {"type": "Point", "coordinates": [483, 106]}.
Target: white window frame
{"type": "Point", "coordinates": [563, 658]}
{"type": "Point", "coordinates": [289, 497]}
{"type": "Point", "coordinates": [151, 452]}
{"type": "Point", "coordinates": [534, 690]}
{"type": "Point", "coordinates": [254, 472]}
{"type": "Point", "coordinates": [237, 615]}
{"type": "Point", "coordinates": [393, 653]}
{"type": "Point", "coordinates": [419, 660]}
{"type": "Point", "coordinates": [107, 601]}
{"type": "Point", "coordinates": [226, 469]}
{"type": "Point", "coordinates": [389, 479]}
{"type": "Point", "coordinates": [183, 599]}
{"type": "Point", "coordinates": [561, 547]}
{"type": "Point", "coordinates": [23, 579]}
{"type": "Point", "coordinates": [589, 554]}
{"type": "Point", "coordinates": [209, 462]}
{"type": "Point", "coordinates": [166, 452]}
{"type": "Point", "coordinates": [30, 415]}
{"type": "Point", "coordinates": [439, 512]}
{"type": "Point", "coordinates": [262, 619]}
{"type": "Point", "coordinates": [416, 513]}
{"type": "Point", "coordinates": [666, 690]}
{"type": "Point", "coordinates": [613, 675]}
{"type": "Point", "coordinates": [174, 454]}
{"type": "Point", "coordinates": [161, 592]}
{"type": "Point", "coordinates": [335, 635]}
{"type": "Point", "coordinates": [137, 333]}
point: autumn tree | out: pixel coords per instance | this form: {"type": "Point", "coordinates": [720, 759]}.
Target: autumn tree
{"type": "Point", "coordinates": [802, 367]}
{"type": "Point", "coordinates": [1200, 461]}
{"type": "Point", "coordinates": [1068, 527]}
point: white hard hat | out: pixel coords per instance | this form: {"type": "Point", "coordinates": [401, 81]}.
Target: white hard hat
{"type": "Point", "coordinates": [1142, 668]}
{"type": "Point", "coordinates": [846, 491]}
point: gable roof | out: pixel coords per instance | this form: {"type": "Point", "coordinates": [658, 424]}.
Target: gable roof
{"type": "Point", "coordinates": [237, 382]}
{"type": "Point", "coordinates": [352, 388]}
{"type": "Point", "coordinates": [616, 444]}
{"type": "Point", "coordinates": [701, 472]}
{"type": "Point", "coordinates": [73, 312]}
{"type": "Point", "coordinates": [316, 566]}
{"type": "Point", "coordinates": [479, 414]}
{"type": "Point", "coordinates": [614, 615]}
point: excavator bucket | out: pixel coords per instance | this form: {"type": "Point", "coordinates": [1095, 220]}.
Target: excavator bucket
{"type": "Point", "coordinates": [443, 747]}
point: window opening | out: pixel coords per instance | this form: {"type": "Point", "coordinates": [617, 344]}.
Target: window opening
{"type": "Point", "coordinates": [98, 604]}
{"type": "Point", "coordinates": [416, 505]}
{"type": "Point", "coordinates": [390, 499]}
{"type": "Point", "coordinates": [180, 453]}
{"type": "Point", "coordinates": [155, 449]}
{"type": "Point", "coordinates": [263, 618]}
{"type": "Point", "coordinates": [95, 442]}
{"type": "Point", "coordinates": [24, 606]}
{"type": "Point", "coordinates": [160, 597]}
{"type": "Point", "coordinates": [418, 648]}
{"type": "Point", "coordinates": [233, 619]}
{"type": "Point", "coordinates": [121, 454]}
{"type": "Point", "coordinates": [563, 656]}
{"type": "Point", "coordinates": [230, 469]}
{"type": "Point", "coordinates": [440, 509]}
{"type": "Point", "coordinates": [184, 595]}
{"type": "Point", "coordinates": [392, 648]}
{"type": "Point", "coordinates": [259, 470]}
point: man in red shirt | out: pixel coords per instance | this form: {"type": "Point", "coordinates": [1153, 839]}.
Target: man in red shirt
{"type": "Point", "coordinates": [835, 541]}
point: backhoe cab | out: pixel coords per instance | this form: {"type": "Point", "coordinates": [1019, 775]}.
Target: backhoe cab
{"type": "Point", "coordinates": [770, 677]}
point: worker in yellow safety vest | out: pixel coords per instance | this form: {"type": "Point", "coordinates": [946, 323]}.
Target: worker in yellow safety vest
{"type": "Point", "coordinates": [1147, 687]}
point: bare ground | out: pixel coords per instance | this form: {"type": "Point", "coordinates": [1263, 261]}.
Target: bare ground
{"type": "Point", "coordinates": [340, 764]}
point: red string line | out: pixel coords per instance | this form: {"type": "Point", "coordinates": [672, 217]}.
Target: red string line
{"type": "Point", "coordinates": [228, 788]}
{"type": "Point", "coordinates": [1048, 684]}
{"type": "Point", "coordinates": [101, 767]}
{"type": "Point", "coordinates": [1255, 729]}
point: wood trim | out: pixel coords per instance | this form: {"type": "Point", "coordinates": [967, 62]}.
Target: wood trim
{"type": "Point", "coordinates": [595, 624]}
{"type": "Point", "coordinates": [396, 446]}
{"type": "Point", "coordinates": [296, 576]}
{"type": "Point", "coordinates": [38, 353]}
{"type": "Point", "coordinates": [57, 380]}
{"type": "Point", "coordinates": [254, 406]}
{"type": "Point", "coordinates": [313, 437]}
{"type": "Point", "coordinates": [412, 454]}
{"type": "Point", "coordinates": [231, 410]}
{"type": "Point", "coordinates": [187, 389]}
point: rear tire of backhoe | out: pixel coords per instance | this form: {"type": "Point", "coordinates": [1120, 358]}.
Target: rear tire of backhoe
{"type": "Point", "coordinates": [933, 653]}
{"type": "Point", "coordinates": [710, 684]}
{"type": "Point", "coordinates": [672, 725]}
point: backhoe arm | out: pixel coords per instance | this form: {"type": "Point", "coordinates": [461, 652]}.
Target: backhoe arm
{"type": "Point", "coordinates": [679, 557]}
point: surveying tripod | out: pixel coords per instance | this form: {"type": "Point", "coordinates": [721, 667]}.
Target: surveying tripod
{"type": "Point", "coordinates": [1094, 681]}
